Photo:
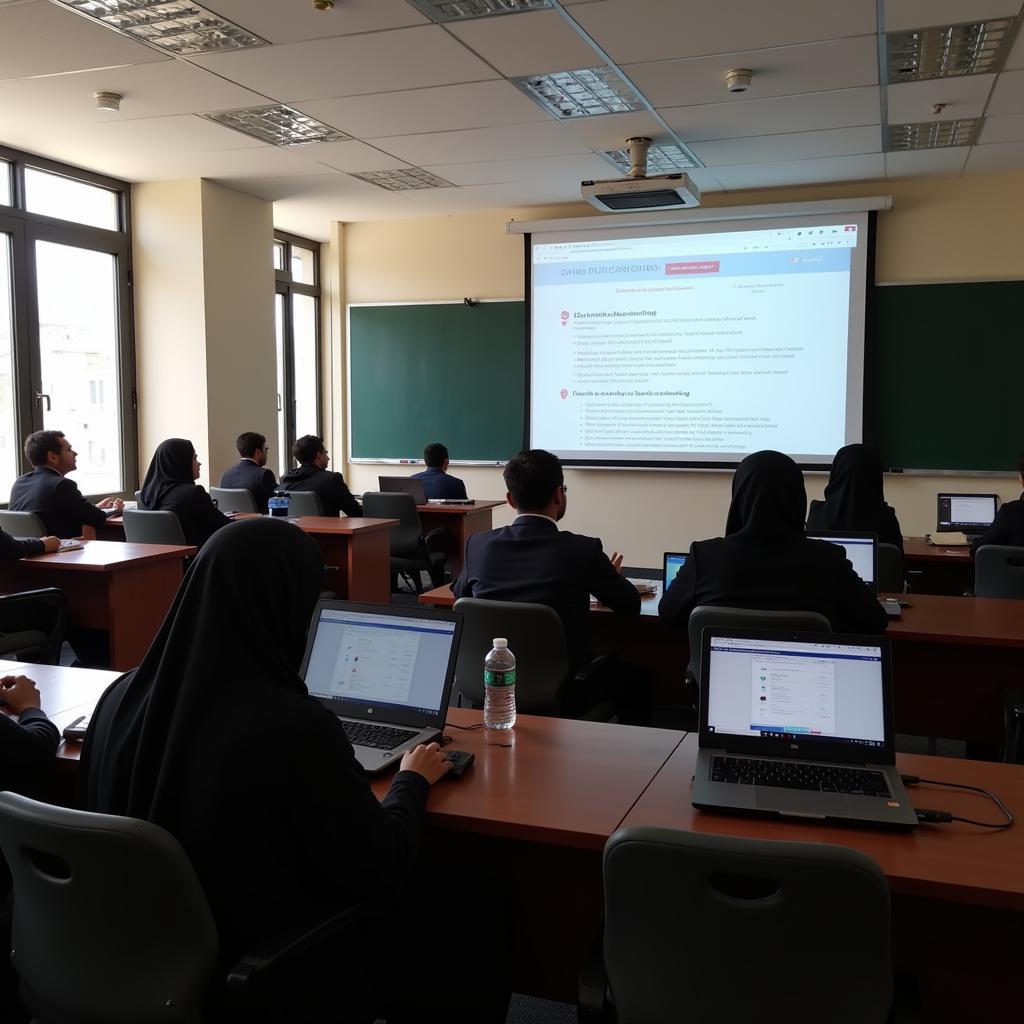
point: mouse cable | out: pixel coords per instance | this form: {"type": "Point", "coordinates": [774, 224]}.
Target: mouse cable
{"type": "Point", "coordinates": [943, 817]}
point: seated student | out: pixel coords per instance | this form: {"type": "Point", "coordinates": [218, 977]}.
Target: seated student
{"type": "Point", "coordinates": [532, 560]}
{"type": "Point", "coordinates": [1008, 526]}
{"type": "Point", "coordinates": [766, 561]}
{"type": "Point", "coordinates": [311, 475]}
{"type": "Point", "coordinates": [170, 486]}
{"type": "Point", "coordinates": [47, 491]}
{"type": "Point", "coordinates": [250, 473]}
{"type": "Point", "coordinates": [853, 498]}
{"type": "Point", "coordinates": [436, 481]}
{"type": "Point", "coordinates": [215, 738]}
{"type": "Point", "coordinates": [13, 548]}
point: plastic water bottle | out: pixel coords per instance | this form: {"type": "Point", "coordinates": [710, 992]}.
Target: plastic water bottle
{"type": "Point", "coordinates": [500, 686]}
{"type": "Point", "coordinates": [277, 504]}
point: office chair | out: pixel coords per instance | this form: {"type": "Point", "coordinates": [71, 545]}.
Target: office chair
{"type": "Point", "coordinates": [233, 499]}
{"type": "Point", "coordinates": [111, 924]}
{"type": "Point", "coordinates": [712, 928]}
{"type": "Point", "coordinates": [138, 498]}
{"type": "Point", "coordinates": [411, 552]}
{"type": "Point", "coordinates": [890, 570]}
{"type": "Point", "coordinates": [142, 526]}
{"type": "Point", "coordinates": [998, 571]}
{"type": "Point", "coordinates": [304, 503]}
{"type": "Point", "coordinates": [1013, 725]}
{"type": "Point", "coordinates": [22, 524]}
{"type": "Point", "coordinates": [33, 625]}
{"type": "Point", "coordinates": [536, 637]}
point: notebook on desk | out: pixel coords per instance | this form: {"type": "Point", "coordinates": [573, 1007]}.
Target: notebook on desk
{"type": "Point", "coordinates": [385, 671]}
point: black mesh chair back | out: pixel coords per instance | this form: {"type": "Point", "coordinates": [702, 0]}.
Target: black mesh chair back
{"type": "Point", "coordinates": [406, 536]}
{"type": "Point", "coordinates": [890, 569]}
{"type": "Point", "coordinates": [33, 625]}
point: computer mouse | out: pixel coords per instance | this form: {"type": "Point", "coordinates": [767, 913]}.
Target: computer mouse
{"type": "Point", "coordinates": [460, 760]}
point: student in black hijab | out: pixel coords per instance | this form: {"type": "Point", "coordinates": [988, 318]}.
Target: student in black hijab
{"type": "Point", "coordinates": [854, 499]}
{"type": "Point", "coordinates": [766, 561]}
{"type": "Point", "coordinates": [171, 485]}
{"type": "Point", "coordinates": [215, 738]}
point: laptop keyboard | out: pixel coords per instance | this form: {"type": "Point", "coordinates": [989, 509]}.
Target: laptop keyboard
{"type": "Point", "coordinates": [822, 778]}
{"type": "Point", "coordinates": [380, 737]}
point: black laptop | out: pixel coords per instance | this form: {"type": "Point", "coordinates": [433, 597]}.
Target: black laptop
{"type": "Point", "coordinates": [404, 485]}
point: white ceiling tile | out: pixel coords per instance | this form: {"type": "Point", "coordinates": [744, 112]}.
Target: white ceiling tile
{"type": "Point", "coordinates": [647, 30]}
{"type": "Point", "coordinates": [963, 96]}
{"type": "Point", "coordinates": [351, 156]}
{"type": "Point", "coordinates": [415, 111]}
{"type": "Point", "coordinates": [923, 163]}
{"type": "Point", "coordinates": [816, 67]}
{"type": "Point", "coordinates": [541, 169]}
{"type": "Point", "coordinates": [841, 108]}
{"type": "Point", "coordinates": [797, 146]}
{"type": "Point", "coordinates": [803, 172]}
{"type": "Point", "coordinates": [908, 14]}
{"type": "Point", "coordinates": [610, 131]}
{"type": "Point", "coordinates": [290, 21]}
{"type": "Point", "coordinates": [1015, 58]}
{"type": "Point", "coordinates": [42, 39]}
{"type": "Point", "coordinates": [1008, 94]}
{"type": "Point", "coordinates": [407, 58]}
{"type": "Point", "coordinates": [1009, 128]}
{"type": "Point", "coordinates": [479, 144]}
{"type": "Point", "coordinates": [1002, 156]}
{"type": "Point", "coordinates": [527, 44]}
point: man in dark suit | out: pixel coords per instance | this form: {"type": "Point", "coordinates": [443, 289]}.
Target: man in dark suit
{"type": "Point", "coordinates": [532, 560]}
{"type": "Point", "coordinates": [311, 475]}
{"type": "Point", "coordinates": [47, 491]}
{"type": "Point", "coordinates": [436, 481]}
{"type": "Point", "coordinates": [251, 473]}
{"type": "Point", "coordinates": [1008, 526]}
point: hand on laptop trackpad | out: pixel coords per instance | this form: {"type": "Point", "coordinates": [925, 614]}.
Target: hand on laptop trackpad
{"type": "Point", "coordinates": [800, 802]}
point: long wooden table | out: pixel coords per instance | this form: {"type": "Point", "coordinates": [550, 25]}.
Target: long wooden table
{"type": "Point", "coordinates": [462, 520]}
{"type": "Point", "coordinates": [124, 589]}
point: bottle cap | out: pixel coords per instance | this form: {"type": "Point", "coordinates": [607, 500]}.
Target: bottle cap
{"type": "Point", "coordinates": [499, 641]}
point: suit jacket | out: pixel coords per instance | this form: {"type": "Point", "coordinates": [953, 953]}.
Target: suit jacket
{"type": "Point", "coordinates": [335, 497]}
{"type": "Point", "coordinates": [532, 560]}
{"type": "Point", "coordinates": [56, 500]}
{"type": "Point", "coordinates": [796, 575]}
{"type": "Point", "coordinates": [12, 548]}
{"type": "Point", "coordinates": [200, 519]}
{"type": "Point", "coordinates": [438, 484]}
{"type": "Point", "coordinates": [1007, 527]}
{"type": "Point", "coordinates": [257, 480]}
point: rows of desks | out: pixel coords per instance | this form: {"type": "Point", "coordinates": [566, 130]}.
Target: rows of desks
{"type": "Point", "coordinates": [541, 802]}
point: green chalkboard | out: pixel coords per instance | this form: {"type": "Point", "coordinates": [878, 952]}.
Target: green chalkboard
{"type": "Point", "coordinates": [948, 370]}
{"type": "Point", "coordinates": [437, 372]}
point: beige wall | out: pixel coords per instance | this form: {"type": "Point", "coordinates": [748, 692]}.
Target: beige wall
{"type": "Point", "coordinates": [939, 230]}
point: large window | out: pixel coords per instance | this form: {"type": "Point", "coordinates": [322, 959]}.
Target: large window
{"type": "Point", "coordinates": [66, 345]}
{"type": "Point", "coordinates": [297, 318]}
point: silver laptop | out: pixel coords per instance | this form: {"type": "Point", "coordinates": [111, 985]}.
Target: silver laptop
{"type": "Point", "coordinates": [386, 671]}
{"type": "Point", "coordinates": [965, 513]}
{"type": "Point", "coordinates": [800, 725]}
{"type": "Point", "coordinates": [404, 485]}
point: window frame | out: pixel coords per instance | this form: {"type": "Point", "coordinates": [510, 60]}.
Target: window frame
{"type": "Point", "coordinates": [28, 228]}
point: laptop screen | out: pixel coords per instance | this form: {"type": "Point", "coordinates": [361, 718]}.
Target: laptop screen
{"type": "Point", "coordinates": [781, 689]}
{"type": "Point", "coordinates": [966, 511]}
{"type": "Point", "coordinates": [383, 660]}
{"type": "Point", "coordinates": [674, 561]}
{"type": "Point", "coordinates": [860, 550]}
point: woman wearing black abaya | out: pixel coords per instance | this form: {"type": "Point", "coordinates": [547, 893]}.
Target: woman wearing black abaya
{"type": "Point", "coordinates": [215, 738]}
{"type": "Point", "coordinates": [170, 486]}
{"type": "Point", "coordinates": [854, 499]}
{"type": "Point", "coordinates": [766, 561]}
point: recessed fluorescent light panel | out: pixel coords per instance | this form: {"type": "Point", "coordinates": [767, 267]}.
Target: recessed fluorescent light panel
{"type": "Point", "coordinates": [583, 93]}
{"type": "Point", "coordinates": [976, 48]}
{"type": "Point", "coordinates": [660, 159]}
{"type": "Point", "coordinates": [403, 179]}
{"type": "Point", "coordinates": [462, 10]}
{"type": "Point", "coordinates": [933, 134]}
{"type": "Point", "coordinates": [279, 125]}
{"type": "Point", "coordinates": [174, 26]}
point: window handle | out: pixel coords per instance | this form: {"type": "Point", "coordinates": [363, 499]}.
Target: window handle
{"type": "Point", "coordinates": [279, 402]}
{"type": "Point", "coordinates": [39, 398]}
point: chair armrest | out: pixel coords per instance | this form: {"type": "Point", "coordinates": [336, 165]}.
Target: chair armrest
{"type": "Point", "coordinates": [591, 1001]}
{"type": "Point", "coordinates": [1013, 724]}
{"type": "Point", "coordinates": [600, 664]}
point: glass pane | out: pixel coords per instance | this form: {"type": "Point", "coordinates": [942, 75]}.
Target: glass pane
{"type": "Point", "coordinates": [304, 354]}
{"type": "Point", "coordinates": [5, 184]}
{"type": "Point", "coordinates": [303, 263]}
{"type": "Point", "coordinates": [54, 196]}
{"type": "Point", "coordinates": [283, 454]}
{"type": "Point", "coordinates": [279, 255]}
{"type": "Point", "coordinates": [10, 449]}
{"type": "Point", "coordinates": [78, 358]}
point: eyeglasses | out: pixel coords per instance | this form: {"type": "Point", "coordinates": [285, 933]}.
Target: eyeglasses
{"type": "Point", "coordinates": [565, 490]}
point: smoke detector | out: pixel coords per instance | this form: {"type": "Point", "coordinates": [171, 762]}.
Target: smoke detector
{"type": "Point", "coordinates": [738, 80]}
{"type": "Point", "coordinates": [108, 101]}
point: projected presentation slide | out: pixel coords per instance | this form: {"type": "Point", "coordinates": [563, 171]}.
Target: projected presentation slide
{"type": "Point", "coordinates": [660, 346]}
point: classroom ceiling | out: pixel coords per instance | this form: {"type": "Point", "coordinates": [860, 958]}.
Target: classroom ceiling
{"type": "Point", "coordinates": [408, 92]}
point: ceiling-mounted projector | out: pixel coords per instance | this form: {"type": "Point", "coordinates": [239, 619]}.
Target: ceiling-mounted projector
{"type": "Point", "coordinates": [638, 192]}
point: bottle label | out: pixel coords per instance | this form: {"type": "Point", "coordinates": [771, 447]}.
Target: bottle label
{"type": "Point", "coordinates": [499, 678]}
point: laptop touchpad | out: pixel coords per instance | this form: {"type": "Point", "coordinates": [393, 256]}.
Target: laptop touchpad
{"type": "Point", "coordinates": [792, 801]}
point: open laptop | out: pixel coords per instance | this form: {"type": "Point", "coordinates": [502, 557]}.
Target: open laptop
{"type": "Point", "coordinates": [800, 725]}
{"type": "Point", "coordinates": [404, 485]}
{"type": "Point", "coordinates": [385, 671]}
{"type": "Point", "coordinates": [672, 563]}
{"type": "Point", "coordinates": [970, 514]}
{"type": "Point", "coordinates": [861, 549]}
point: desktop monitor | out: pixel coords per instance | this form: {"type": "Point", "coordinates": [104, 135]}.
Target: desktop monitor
{"type": "Point", "coordinates": [966, 513]}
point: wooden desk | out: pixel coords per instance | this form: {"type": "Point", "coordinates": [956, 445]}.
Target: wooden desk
{"type": "Point", "coordinates": [937, 570]}
{"type": "Point", "coordinates": [124, 589]}
{"type": "Point", "coordinates": [461, 520]}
